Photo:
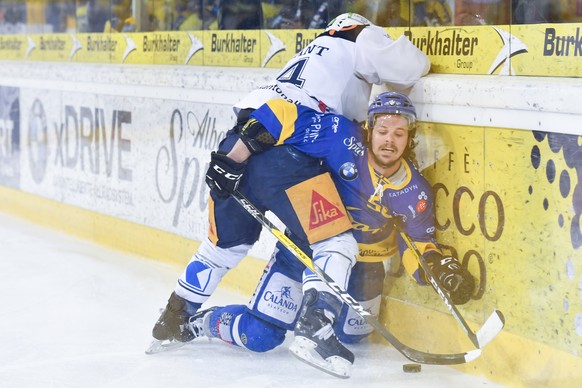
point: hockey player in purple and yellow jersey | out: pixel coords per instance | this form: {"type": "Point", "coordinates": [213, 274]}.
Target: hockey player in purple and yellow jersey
{"type": "Point", "coordinates": [379, 186]}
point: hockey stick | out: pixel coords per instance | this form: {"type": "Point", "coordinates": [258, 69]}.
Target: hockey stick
{"type": "Point", "coordinates": [492, 326]}
{"type": "Point", "coordinates": [408, 352]}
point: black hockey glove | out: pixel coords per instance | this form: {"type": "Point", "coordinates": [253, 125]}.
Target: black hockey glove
{"type": "Point", "coordinates": [256, 137]}
{"type": "Point", "coordinates": [455, 278]}
{"type": "Point", "coordinates": [223, 175]}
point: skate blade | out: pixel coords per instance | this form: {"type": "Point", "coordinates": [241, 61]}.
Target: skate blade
{"type": "Point", "coordinates": [304, 350]}
{"type": "Point", "coordinates": [158, 346]}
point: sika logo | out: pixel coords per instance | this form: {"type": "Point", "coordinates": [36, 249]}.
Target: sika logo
{"type": "Point", "coordinates": [322, 211]}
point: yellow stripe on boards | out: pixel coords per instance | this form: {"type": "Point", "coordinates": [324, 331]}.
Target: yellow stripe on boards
{"type": "Point", "coordinates": [123, 235]}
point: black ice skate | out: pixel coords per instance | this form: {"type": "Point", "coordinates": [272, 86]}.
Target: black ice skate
{"type": "Point", "coordinates": [316, 343]}
{"type": "Point", "coordinates": [172, 329]}
{"type": "Point", "coordinates": [173, 323]}
{"type": "Point", "coordinates": [195, 326]}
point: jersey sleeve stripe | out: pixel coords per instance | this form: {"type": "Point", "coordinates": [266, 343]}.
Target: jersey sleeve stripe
{"type": "Point", "coordinates": [286, 115]}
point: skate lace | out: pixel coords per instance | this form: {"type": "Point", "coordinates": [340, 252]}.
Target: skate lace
{"type": "Point", "coordinates": [196, 326]}
{"type": "Point", "coordinates": [325, 332]}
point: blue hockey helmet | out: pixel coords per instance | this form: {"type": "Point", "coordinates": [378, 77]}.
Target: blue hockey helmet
{"type": "Point", "coordinates": [392, 103]}
{"type": "Point", "coordinates": [346, 20]}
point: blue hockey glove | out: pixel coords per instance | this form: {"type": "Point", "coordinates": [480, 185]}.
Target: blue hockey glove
{"type": "Point", "coordinates": [223, 175]}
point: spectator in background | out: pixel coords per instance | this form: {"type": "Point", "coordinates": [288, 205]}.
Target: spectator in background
{"type": "Point", "coordinates": [12, 19]}
{"type": "Point", "coordinates": [481, 12]}
{"type": "Point", "coordinates": [318, 14]}
{"type": "Point", "coordinates": [314, 14]}
{"type": "Point", "coordinates": [121, 20]}
{"type": "Point", "coordinates": [385, 13]}
{"type": "Point", "coordinates": [195, 15]}
{"type": "Point", "coordinates": [240, 15]}
{"type": "Point", "coordinates": [81, 16]}
{"type": "Point", "coordinates": [272, 12]}
{"type": "Point", "coordinates": [536, 11]}
{"type": "Point", "coordinates": [187, 10]}
{"type": "Point", "coordinates": [390, 14]}
{"type": "Point", "coordinates": [210, 13]}
{"type": "Point", "coordinates": [98, 14]}
{"type": "Point", "coordinates": [106, 16]}
{"type": "Point", "coordinates": [287, 16]}
{"type": "Point", "coordinates": [60, 15]}
{"type": "Point", "coordinates": [367, 9]}
{"type": "Point", "coordinates": [151, 23]}
{"type": "Point", "coordinates": [432, 13]}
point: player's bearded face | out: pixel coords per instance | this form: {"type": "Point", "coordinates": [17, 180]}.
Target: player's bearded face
{"type": "Point", "coordinates": [388, 140]}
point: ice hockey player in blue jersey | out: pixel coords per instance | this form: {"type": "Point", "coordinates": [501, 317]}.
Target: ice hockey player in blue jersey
{"type": "Point", "coordinates": [380, 187]}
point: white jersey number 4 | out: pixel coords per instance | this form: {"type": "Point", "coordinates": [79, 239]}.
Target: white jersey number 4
{"type": "Point", "coordinates": [292, 74]}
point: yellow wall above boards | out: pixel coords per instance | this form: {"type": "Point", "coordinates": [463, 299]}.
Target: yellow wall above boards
{"type": "Point", "coordinates": [541, 50]}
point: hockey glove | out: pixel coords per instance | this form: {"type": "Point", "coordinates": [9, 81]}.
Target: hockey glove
{"type": "Point", "coordinates": [223, 175]}
{"type": "Point", "coordinates": [256, 137]}
{"type": "Point", "coordinates": [455, 278]}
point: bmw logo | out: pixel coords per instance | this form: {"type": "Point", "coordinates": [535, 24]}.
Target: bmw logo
{"type": "Point", "coordinates": [348, 171]}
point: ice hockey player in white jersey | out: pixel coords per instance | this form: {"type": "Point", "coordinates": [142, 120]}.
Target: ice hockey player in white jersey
{"type": "Point", "coordinates": [334, 73]}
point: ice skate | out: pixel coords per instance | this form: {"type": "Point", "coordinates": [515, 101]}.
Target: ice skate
{"type": "Point", "coordinates": [316, 343]}
{"type": "Point", "coordinates": [172, 331]}
{"type": "Point", "coordinates": [196, 326]}
{"type": "Point", "coordinates": [199, 324]}
{"type": "Point", "coordinates": [173, 323]}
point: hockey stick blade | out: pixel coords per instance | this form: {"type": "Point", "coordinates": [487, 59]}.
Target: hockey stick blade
{"type": "Point", "coordinates": [492, 326]}
{"type": "Point", "coordinates": [410, 353]}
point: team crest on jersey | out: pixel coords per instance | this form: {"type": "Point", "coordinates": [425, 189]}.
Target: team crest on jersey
{"type": "Point", "coordinates": [348, 171]}
{"type": "Point", "coordinates": [421, 205]}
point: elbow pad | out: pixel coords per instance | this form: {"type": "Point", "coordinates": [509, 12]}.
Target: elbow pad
{"type": "Point", "coordinates": [256, 137]}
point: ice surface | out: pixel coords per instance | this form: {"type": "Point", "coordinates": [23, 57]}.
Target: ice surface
{"type": "Point", "coordinates": [76, 314]}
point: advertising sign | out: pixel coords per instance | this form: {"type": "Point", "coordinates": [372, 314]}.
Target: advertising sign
{"type": "Point", "coordinates": [110, 155]}
{"type": "Point", "coordinates": [509, 206]}
{"type": "Point", "coordinates": [10, 136]}
{"type": "Point", "coordinates": [232, 48]}
{"type": "Point", "coordinates": [532, 49]}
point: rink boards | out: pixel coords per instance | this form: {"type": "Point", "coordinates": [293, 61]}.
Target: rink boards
{"type": "Point", "coordinates": [118, 154]}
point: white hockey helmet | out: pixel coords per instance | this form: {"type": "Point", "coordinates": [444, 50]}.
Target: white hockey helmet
{"type": "Point", "coordinates": [346, 20]}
